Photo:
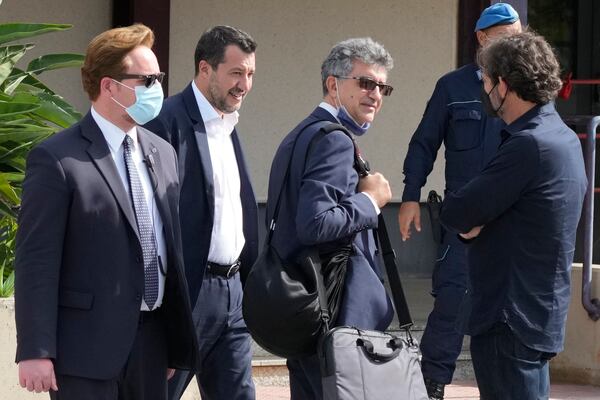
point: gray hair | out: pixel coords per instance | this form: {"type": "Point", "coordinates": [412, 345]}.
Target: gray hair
{"type": "Point", "coordinates": [340, 58]}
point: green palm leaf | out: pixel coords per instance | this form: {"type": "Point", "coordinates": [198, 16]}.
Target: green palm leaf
{"type": "Point", "coordinates": [15, 31]}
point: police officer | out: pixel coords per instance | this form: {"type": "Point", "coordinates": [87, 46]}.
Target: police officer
{"type": "Point", "coordinates": [454, 116]}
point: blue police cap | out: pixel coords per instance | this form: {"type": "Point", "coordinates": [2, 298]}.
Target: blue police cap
{"type": "Point", "coordinates": [496, 14]}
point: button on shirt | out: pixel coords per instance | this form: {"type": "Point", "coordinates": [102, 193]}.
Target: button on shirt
{"type": "Point", "coordinates": [454, 116]}
{"type": "Point", "coordinates": [529, 199]}
{"type": "Point", "coordinates": [114, 138]}
{"type": "Point", "coordinates": [227, 238]}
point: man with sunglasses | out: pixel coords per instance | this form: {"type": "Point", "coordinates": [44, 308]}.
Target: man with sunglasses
{"type": "Point", "coordinates": [453, 116]}
{"type": "Point", "coordinates": [325, 203]}
{"type": "Point", "coordinates": [218, 210]}
{"type": "Point", "coordinates": [100, 292]}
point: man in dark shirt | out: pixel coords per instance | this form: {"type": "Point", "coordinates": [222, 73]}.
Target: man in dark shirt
{"type": "Point", "coordinates": [521, 214]}
{"type": "Point", "coordinates": [453, 116]}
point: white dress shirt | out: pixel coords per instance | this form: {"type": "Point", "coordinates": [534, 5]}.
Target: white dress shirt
{"type": "Point", "coordinates": [114, 138]}
{"type": "Point", "coordinates": [333, 111]}
{"type": "Point", "coordinates": [227, 238]}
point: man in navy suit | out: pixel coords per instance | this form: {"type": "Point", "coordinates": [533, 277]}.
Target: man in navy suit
{"type": "Point", "coordinates": [325, 203]}
{"type": "Point", "coordinates": [217, 210]}
{"type": "Point", "coordinates": [100, 300]}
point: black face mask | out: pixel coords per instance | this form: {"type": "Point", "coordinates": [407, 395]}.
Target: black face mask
{"type": "Point", "coordinates": [487, 103]}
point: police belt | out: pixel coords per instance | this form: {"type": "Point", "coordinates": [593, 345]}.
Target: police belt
{"type": "Point", "coordinates": [226, 271]}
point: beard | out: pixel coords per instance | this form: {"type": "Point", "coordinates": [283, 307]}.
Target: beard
{"type": "Point", "coordinates": [218, 98]}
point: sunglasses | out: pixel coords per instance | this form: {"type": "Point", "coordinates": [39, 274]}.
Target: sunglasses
{"type": "Point", "coordinates": [370, 84]}
{"type": "Point", "coordinates": [148, 79]}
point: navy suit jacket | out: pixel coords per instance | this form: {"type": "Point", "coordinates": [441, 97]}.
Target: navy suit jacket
{"type": "Point", "coordinates": [181, 124]}
{"type": "Point", "coordinates": [320, 206]}
{"type": "Point", "coordinates": [79, 268]}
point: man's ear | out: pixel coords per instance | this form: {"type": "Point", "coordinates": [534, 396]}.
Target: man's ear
{"type": "Point", "coordinates": [481, 38]}
{"type": "Point", "coordinates": [105, 85]}
{"type": "Point", "coordinates": [204, 69]}
{"type": "Point", "coordinates": [503, 86]}
{"type": "Point", "coordinates": [331, 85]}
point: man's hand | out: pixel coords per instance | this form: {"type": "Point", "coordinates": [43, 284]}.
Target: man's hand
{"type": "Point", "coordinates": [473, 233]}
{"type": "Point", "coordinates": [410, 212]}
{"type": "Point", "coordinates": [377, 187]}
{"type": "Point", "coordinates": [170, 373]}
{"type": "Point", "coordinates": [37, 375]}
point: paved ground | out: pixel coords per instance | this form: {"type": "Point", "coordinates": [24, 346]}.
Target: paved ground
{"type": "Point", "coordinates": [459, 390]}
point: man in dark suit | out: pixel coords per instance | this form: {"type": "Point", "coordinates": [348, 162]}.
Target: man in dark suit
{"type": "Point", "coordinates": [217, 209]}
{"type": "Point", "coordinates": [100, 300]}
{"type": "Point", "coordinates": [324, 203]}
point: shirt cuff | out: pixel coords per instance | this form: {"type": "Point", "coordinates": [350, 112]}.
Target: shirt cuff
{"type": "Point", "coordinates": [377, 210]}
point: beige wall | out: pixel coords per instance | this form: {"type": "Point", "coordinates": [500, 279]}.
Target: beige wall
{"type": "Point", "coordinates": [89, 18]}
{"type": "Point", "coordinates": [294, 38]}
{"type": "Point", "coordinates": [580, 360]}
{"type": "Point", "coordinates": [9, 376]}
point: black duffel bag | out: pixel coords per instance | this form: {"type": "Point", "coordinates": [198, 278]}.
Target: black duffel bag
{"type": "Point", "coordinates": [281, 305]}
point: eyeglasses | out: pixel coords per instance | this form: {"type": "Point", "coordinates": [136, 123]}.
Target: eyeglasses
{"type": "Point", "coordinates": [148, 79]}
{"type": "Point", "coordinates": [370, 84]}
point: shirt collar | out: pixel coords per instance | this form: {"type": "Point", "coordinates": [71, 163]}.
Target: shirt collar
{"type": "Point", "coordinates": [538, 109]}
{"type": "Point", "coordinates": [329, 108]}
{"type": "Point", "coordinates": [519, 124]}
{"type": "Point", "coordinates": [479, 74]}
{"type": "Point", "coordinates": [208, 112]}
{"type": "Point", "coordinates": [113, 135]}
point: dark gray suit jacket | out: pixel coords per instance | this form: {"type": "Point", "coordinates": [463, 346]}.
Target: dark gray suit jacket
{"type": "Point", "coordinates": [79, 268]}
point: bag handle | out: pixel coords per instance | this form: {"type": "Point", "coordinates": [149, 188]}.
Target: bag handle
{"type": "Point", "coordinates": [370, 352]}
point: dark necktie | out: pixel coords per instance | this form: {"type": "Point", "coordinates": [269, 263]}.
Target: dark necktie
{"type": "Point", "coordinates": [145, 227]}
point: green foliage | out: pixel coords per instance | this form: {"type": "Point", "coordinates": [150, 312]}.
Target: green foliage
{"type": "Point", "coordinates": [8, 229]}
{"type": "Point", "coordinates": [29, 112]}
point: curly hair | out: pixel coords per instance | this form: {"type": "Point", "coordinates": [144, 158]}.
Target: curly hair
{"type": "Point", "coordinates": [526, 62]}
{"type": "Point", "coordinates": [340, 58]}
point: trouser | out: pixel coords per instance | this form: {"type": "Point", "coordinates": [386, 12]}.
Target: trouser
{"type": "Point", "coordinates": [441, 343]}
{"type": "Point", "coordinates": [505, 368]}
{"type": "Point", "coordinates": [144, 376]}
{"type": "Point", "coordinates": [224, 344]}
{"type": "Point", "coordinates": [305, 378]}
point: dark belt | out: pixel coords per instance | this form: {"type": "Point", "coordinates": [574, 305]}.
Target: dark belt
{"type": "Point", "coordinates": [146, 316]}
{"type": "Point", "coordinates": [226, 271]}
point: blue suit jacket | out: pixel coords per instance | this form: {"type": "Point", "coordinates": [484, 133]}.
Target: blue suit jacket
{"type": "Point", "coordinates": [181, 124]}
{"type": "Point", "coordinates": [320, 206]}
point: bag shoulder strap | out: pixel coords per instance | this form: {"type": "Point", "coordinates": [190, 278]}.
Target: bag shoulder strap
{"type": "Point", "coordinates": [388, 253]}
{"type": "Point", "coordinates": [389, 259]}
{"type": "Point", "coordinates": [323, 126]}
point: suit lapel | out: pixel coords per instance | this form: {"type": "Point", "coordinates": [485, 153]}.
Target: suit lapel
{"type": "Point", "coordinates": [202, 141]}
{"type": "Point", "coordinates": [102, 158]}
